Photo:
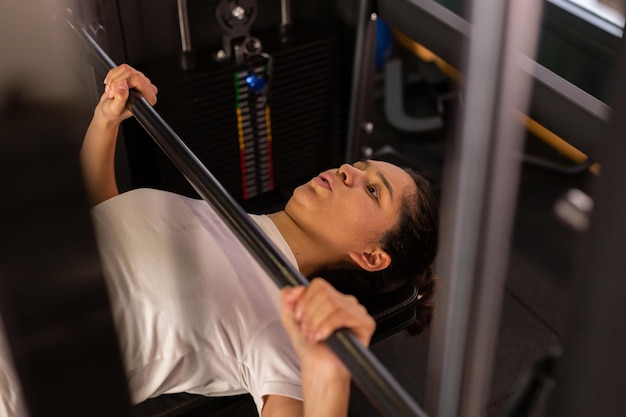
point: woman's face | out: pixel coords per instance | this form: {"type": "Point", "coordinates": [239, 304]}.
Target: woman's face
{"type": "Point", "coordinates": [351, 207]}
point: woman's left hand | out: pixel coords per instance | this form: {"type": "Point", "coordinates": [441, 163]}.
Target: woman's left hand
{"type": "Point", "coordinates": [311, 314]}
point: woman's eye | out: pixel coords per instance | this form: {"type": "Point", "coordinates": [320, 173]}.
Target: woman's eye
{"type": "Point", "coordinates": [373, 191]}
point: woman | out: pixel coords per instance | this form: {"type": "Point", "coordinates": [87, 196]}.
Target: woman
{"type": "Point", "coordinates": [194, 311]}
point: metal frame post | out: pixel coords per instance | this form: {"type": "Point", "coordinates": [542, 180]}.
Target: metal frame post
{"type": "Point", "coordinates": [55, 316]}
{"type": "Point", "coordinates": [478, 202]}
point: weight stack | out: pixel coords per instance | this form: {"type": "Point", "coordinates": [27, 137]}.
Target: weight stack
{"type": "Point", "coordinates": [252, 147]}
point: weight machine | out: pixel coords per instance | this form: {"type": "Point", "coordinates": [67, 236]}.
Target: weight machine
{"type": "Point", "coordinates": [590, 349]}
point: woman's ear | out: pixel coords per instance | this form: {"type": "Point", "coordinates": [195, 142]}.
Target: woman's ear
{"type": "Point", "coordinates": [375, 260]}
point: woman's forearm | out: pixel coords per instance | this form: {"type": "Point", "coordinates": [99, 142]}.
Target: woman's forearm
{"type": "Point", "coordinates": [326, 391]}
{"type": "Point", "coordinates": [97, 157]}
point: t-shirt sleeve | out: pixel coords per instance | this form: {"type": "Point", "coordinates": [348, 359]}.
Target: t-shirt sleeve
{"type": "Point", "coordinates": [271, 366]}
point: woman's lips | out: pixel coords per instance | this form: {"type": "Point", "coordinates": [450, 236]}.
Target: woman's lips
{"type": "Point", "coordinates": [325, 181]}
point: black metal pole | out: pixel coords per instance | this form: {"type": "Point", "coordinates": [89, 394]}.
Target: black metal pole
{"type": "Point", "coordinates": [369, 375]}
{"type": "Point", "coordinates": [360, 124]}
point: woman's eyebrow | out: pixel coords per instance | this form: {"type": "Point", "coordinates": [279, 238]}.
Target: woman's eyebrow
{"type": "Point", "coordinates": [386, 184]}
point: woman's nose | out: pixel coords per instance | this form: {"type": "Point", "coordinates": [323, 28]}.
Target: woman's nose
{"type": "Point", "coordinates": [348, 174]}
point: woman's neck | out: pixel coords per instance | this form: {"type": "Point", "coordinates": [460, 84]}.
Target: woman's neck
{"type": "Point", "coordinates": [309, 254]}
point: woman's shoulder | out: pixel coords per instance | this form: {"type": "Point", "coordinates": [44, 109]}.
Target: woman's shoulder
{"type": "Point", "coordinates": [142, 197]}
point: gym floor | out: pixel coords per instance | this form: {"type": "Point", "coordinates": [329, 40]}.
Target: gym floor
{"type": "Point", "coordinates": [534, 310]}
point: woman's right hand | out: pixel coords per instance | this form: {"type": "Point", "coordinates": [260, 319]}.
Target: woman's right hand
{"type": "Point", "coordinates": [119, 80]}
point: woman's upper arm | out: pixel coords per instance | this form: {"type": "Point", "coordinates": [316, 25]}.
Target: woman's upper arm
{"type": "Point", "coordinates": [279, 406]}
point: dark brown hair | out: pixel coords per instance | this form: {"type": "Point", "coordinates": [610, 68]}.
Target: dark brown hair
{"type": "Point", "coordinates": [412, 245]}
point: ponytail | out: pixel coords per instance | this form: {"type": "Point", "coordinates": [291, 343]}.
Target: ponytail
{"type": "Point", "coordinates": [424, 305]}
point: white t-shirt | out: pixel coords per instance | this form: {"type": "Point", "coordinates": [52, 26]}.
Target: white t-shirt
{"type": "Point", "coordinates": [194, 311]}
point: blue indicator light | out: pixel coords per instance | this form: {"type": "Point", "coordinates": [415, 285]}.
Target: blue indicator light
{"type": "Point", "coordinates": [255, 83]}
